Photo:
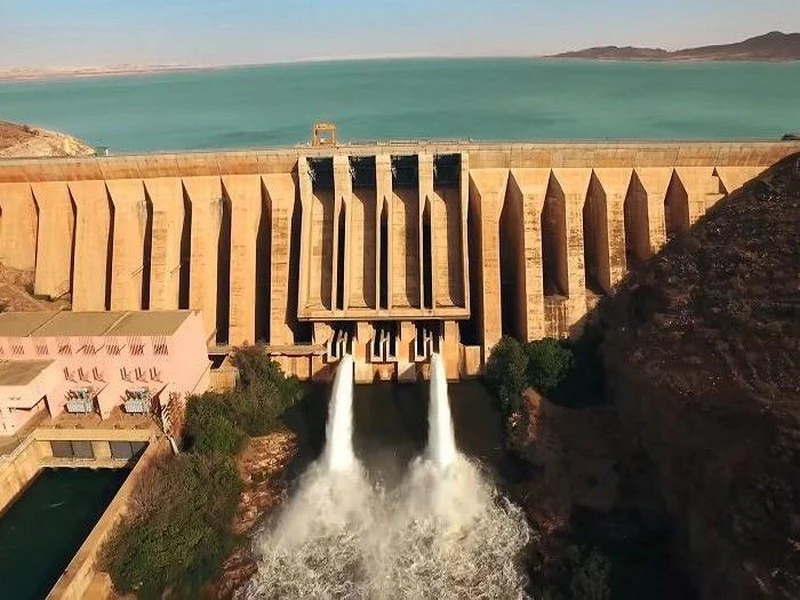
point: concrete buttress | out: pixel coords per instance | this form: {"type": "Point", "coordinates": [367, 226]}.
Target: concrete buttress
{"type": "Point", "coordinates": [92, 230]}
{"type": "Point", "coordinates": [574, 184]}
{"type": "Point", "coordinates": [244, 192]}
{"type": "Point", "coordinates": [205, 194]}
{"type": "Point", "coordinates": [531, 187]}
{"type": "Point", "coordinates": [437, 230]}
{"type": "Point", "coordinates": [280, 191]}
{"type": "Point", "coordinates": [54, 240]}
{"type": "Point", "coordinates": [18, 226]}
{"type": "Point", "coordinates": [383, 269]}
{"type": "Point", "coordinates": [166, 194]}
{"type": "Point", "coordinates": [489, 192]}
{"type": "Point", "coordinates": [342, 204]}
{"type": "Point", "coordinates": [130, 227]}
{"type": "Point", "coordinates": [655, 181]}
{"type": "Point", "coordinates": [615, 183]}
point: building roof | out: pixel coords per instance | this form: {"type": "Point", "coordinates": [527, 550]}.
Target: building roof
{"type": "Point", "coordinates": [68, 324]}
{"type": "Point", "coordinates": [89, 323]}
{"type": "Point", "coordinates": [155, 322]}
{"type": "Point", "coordinates": [21, 324]}
{"type": "Point", "coordinates": [21, 372]}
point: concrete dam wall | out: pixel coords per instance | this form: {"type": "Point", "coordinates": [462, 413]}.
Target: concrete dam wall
{"type": "Point", "coordinates": [387, 251]}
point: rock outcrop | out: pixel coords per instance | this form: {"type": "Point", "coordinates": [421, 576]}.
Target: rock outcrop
{"type": "Point", "coordinates": [702, 351]}
{"type": "Point", "coordinates": [22, 141]}
{"type": "Point", "coordinates": [261, 466]}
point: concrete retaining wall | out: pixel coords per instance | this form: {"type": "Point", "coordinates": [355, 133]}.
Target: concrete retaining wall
{"type": "Point", "coordinates": [81, 579]}
{"type": "Point", "coordinates": [19, 468]}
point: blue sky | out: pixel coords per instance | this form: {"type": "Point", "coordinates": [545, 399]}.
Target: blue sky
{"type": "Point", "coordinates": [81, 33]}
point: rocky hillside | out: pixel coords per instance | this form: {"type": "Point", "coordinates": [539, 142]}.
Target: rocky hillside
{"type": "Point", "coordinates": [702, 350]}
{"type": "Point", "coordinates": [22, 141]}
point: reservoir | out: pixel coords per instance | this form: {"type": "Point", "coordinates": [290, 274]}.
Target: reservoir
{"type": "Point", "coordinates": [483, 99]}
{"type": "Point", "coordinates": [44, 528]}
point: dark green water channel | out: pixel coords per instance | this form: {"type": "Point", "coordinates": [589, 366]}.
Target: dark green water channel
{"type": "Point", "coordinates": [44, 528]}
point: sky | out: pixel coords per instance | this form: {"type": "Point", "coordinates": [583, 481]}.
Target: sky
{"type": "Point", "coordinates": [38, 34]}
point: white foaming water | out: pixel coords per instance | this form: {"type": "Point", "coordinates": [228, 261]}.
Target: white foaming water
{"type": "Point", "coordinates": [444, 532]}
{"type": "Point", "coordinates": [339, 454]}
{"type": "Point", "coordinates": [441, 441]}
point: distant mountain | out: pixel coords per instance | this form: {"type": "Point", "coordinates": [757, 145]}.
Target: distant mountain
{"type": "Point", "coordinates": [772, 46]}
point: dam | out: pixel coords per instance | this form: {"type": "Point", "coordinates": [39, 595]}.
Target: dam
{"type": "Point", "coordinates": [386, 251]}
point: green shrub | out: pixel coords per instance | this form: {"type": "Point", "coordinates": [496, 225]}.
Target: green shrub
{"type": "Point", "coordinates": [255, 366]}
{"type": "Point", "coordinates": [506, 372]}
{"type": "Point", "coordinates": [219, 423]}
{"type": "Point", "coordinates": [219, 436]}
{"type": "Point", "coordinates": [178, 532]}
{"type": "Point", "coordinates": [211, 426]}
{"type": "Point", "coordinates": [257, 408]}
{"type": "Point", "coordinates": [549, 363]}
{"type": "Point", "coordinates": [264, 392]}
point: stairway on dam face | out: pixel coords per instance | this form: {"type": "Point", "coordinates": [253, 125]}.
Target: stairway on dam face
{"type": "Point", "coordinates": [472, 241]}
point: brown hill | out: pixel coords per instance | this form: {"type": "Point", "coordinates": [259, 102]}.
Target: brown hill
{"type": "Point", "coordinates": [22, 141]}
{"type": "Point", "coordinates": [773, 46]}
{"type": "Point", "coordinates": [702, 350]}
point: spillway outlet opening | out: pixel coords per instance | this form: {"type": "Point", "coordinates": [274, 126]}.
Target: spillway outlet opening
{"type": "Point", "coordinates": [405, 171]}
{"type": "Point", "coordinates": [383, 348]}
{"type": "Point", "coordinates": [362, 171]}
{"type": "Point", "coordinates": [446, 170]}
{"type": "Point", "coordinates": [341, 342]}
{"type": "Point", "coordinates": [428, 340]}
{"type": "Point", "coordinates": [321, 172]}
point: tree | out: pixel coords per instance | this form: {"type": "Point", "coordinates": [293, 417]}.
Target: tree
{"type": "Point", "coordinates": [549, 363]}
{"type": "Point", "coordinates": [505, 373]}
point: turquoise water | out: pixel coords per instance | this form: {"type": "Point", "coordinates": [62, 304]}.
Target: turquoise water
{"type": "Point", "coordinates": [43, 529]}
{"type": "Point", "coordinates": [513, 99]}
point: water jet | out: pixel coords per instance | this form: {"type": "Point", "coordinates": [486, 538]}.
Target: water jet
{"type": "Point", "coordinates": [441, 440]}
{"type": "Point", "coordinates": [339, 454]}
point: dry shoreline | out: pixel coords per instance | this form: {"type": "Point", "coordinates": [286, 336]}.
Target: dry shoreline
{"type": "Point", "coordinates": [38, 75]}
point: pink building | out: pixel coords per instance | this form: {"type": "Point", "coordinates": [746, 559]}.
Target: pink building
{"type": "Point", "coordinates": [98, 361]}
